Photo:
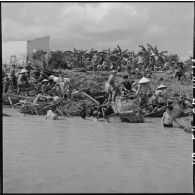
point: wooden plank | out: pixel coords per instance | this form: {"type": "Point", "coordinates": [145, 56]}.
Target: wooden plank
{"type": "Point", "coordinates": [6, 95]}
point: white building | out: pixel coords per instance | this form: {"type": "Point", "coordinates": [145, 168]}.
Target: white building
{"type": "Point", "coordinates": [18, 52]}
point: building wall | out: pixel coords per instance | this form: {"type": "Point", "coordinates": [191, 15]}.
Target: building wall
{"type": "Point", "coordinates": [14, 52]}
{"type": "Point", "coordinates": [41, 43]}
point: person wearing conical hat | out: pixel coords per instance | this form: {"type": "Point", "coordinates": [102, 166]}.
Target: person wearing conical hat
{"type": "Point", "coordinates": [45, 87]}
{"type": "Point", "coordinates": [22, 81]}
{"type": "Point", "coordinates": [144, 86]}
{"type": "Point", "coordinates": [160, 92]}
{"type": "Point", "coordinates": [143, 91]}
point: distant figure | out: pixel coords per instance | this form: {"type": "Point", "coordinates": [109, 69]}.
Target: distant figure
{"type": "Point", "coordinates": [46, 87]}
{"type": "Point", "coordinates": [94, 60]}
{"type": "Point", "coordinates": [29, 67]}
{"type": "Point", "coordinates": [37, 72]}
{"type": "Point", "coordinates": [137, 71]}
{"type": "Point", "coordinates": [6, 83]}
{"type": "Point", "coordinates": [179, 71]}
{"type": "Point", "coordinates": [64, 84]}
{"type": "Point", "coordinates": [51, 115]}
{"type": "Point", "coordinates": [13, 78]}
{"type": "Point", "coordinates": [83, 112]}
{"type": "Point", "coordinates": [22, 80]}
{"type": "Point", "coordinates": [169, 117]}
{"type": "Point", "coordinates": [129, 67]}
{"type": "Point", "coordinates": [5, 67]}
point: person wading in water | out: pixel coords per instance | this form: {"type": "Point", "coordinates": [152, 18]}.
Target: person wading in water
{"type": "Point", "coordinates": [169, 117]}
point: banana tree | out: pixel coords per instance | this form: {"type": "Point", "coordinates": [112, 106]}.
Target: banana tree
{"type": "Point", "coordinates": [145, 56]}
{"type": "Point", "coordinates": [160, 56]}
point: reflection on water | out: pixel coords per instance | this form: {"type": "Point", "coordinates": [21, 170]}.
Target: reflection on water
{"type": "Point", "coordinates": [75, 155]}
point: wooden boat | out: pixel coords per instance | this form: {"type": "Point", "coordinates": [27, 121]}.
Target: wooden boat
{"type": "Point", "coordinates": [8, 115]}
{"type": "Point", "coordinates": [130, 117]}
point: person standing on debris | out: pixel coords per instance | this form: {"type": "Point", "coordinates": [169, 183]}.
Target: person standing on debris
{"type": "Point", "coordinates": [45, 86]}
{"type": "Point", "coordinates": [42, 76]}
{"type": "Point", "coordinates": [37, 73]}
{"type": "Point", "coordinates": [5, 69]}
{"type": "Point", "coordinates": [22, 80]}
{"type": "Point", "coordinates": [29, 67]}
{"type": "Point", "coordinates": [129, 66]}
{"type": "Point", "coordinates": [12, 76]}
{"type": "Point", "coordinates": [143, 91]}
{"type": "Point", "coordinates": [179, 71]}
{"type": "Point", "coordinates": [94, 61]}
{"type": "Point", "coordinates": [64, 85]}
{"type": "Point", "coordinates": [110, 85]}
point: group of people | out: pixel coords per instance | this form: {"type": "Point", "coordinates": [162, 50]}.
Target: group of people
{"type": "Point", "coordinates": [20, 81]}
{"type": "Point", "coordinates": [141, 90]}
{"type": "Point", "coordinates": [62, 87]}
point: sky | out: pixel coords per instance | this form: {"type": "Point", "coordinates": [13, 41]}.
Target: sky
{"type": "Point", "coordinates": [102, 25]}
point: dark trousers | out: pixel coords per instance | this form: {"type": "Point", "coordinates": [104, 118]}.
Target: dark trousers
{"type": "Point", "coordinates": [168, 125]}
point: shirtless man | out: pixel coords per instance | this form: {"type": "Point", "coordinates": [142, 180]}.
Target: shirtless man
{"type": "Point", "coordinates": [51, 115]}
{"type": "Point", "coordinates": [110, 85]}
{"type": "Point", "coordinates": [169, 117]}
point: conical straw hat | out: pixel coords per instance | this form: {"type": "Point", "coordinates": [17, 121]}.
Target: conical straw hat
{"type": "Point", "coordinates": [57, 99]}
{"type": "Point", "coordinates": [113, 72]}
{"type": "Point", "coordinates": [23, 71]}
{"type": "Point", "coordinates": [161, 87]}
{"type": "Point", "coordinates": [44, 80]}
{"type": "Point", "coordinates": [144, 80]}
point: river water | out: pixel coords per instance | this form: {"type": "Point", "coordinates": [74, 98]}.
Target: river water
{"type": "Point", "coordinates": [81, 156]}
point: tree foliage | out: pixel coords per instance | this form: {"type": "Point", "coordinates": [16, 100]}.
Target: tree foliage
{"type": "Point", "coordinates": [150, 56]}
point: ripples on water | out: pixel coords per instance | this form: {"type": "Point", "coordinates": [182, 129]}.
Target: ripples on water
{"type": "Point", "coordinates": [75, 155]}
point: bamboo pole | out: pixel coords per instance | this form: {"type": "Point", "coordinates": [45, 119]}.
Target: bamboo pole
{"type": "Point", "coordinates": [10, 101]}
{"type": "Point", "coordinates": [90, 98]}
